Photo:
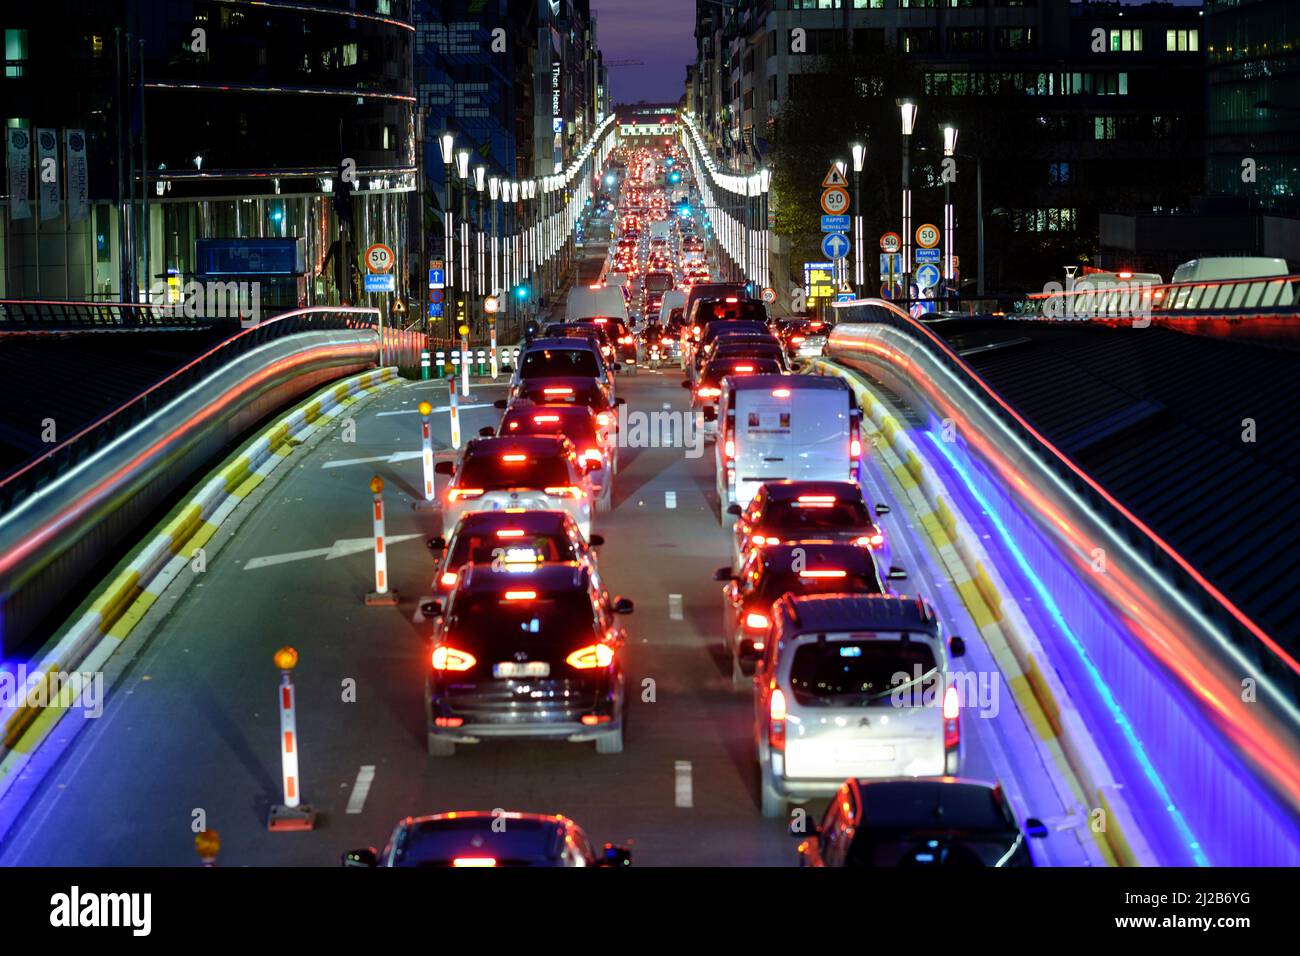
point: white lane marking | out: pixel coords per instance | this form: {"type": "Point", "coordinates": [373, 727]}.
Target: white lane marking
{"type": "Point", "coordinates": [674, 607]}
{"type": "Point", "coordinates": [393, 459]}
{"type": "Point", "coordinates": [360, 789]}
{"type": "Point", "coordinates": [436, 409]}
{"type": "Point", "coordinates": [670, 499]}
{"type": "Point", "coordinates": [684, 792]}
{"type": "Point", "coordinates": [340, 549]}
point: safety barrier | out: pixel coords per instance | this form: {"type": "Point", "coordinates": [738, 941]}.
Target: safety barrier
{"type": "Point", "coordinates": [1195, 690]}
{"type": "Point", "coordinates": [54, 315]}
{"type": "Point", "coordinates": [64, 512]}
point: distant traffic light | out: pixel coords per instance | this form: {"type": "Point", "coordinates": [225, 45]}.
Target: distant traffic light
{"type": "Point", "coordinates": [521, 291]}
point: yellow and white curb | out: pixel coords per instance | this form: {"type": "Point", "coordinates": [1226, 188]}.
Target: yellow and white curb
{"type": "Point", "coordinates": [1027, 669]}
{"type": "Point", "coordinates": [88, 642]}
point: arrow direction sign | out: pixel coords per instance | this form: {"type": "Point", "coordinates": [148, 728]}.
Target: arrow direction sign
{"type": "Point", "coordinates": [835, 246]}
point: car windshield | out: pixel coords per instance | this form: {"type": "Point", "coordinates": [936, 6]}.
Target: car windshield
{"type": "Point", "coordinates": [555, 619]}
{"type": "Point", "coordinates": [815, 515]}
{"type": "Point", "coordinates": [510, 546]}
{"type": "Point", "coordinates": [550, 363]}
{"type": "Point", "coordinates": [492, 472]}
{"type": "Point", "coordinates": [856, 672]}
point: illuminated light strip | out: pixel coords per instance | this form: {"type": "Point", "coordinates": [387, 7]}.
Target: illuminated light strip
{"type": "Point", "coordinates": [276, 90]}
{"type": "Point", "coordinates": [1049, 603]}
{"type": "Point", "coordinates": [328, 11]}
{"type": "Point", "coordinates": [1182, 562]}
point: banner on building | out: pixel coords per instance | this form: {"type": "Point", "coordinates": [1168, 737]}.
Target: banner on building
{"type": "Point", "coordinates": [74, 150]}
{"type": "Point", "coordinates": [19, 161]}
{"type": "Point", "coordinates": [48, 174]}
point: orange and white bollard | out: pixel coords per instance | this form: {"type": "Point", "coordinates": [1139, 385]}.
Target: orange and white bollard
{"type": "Point", "coordinates": [465, 356]}
{"type": "Point", "coordinates": [293, 814]}
{"type": "Point", "coordinates": [430, 501]}
{"type": "Point", "coordinates": [492, 350]}
{"type": "Point", "coordinates": [382, 595]}
{"type": "Point", "coordinates": [454, 408]}
{"type": "Point", "coordinates": [207, 844]}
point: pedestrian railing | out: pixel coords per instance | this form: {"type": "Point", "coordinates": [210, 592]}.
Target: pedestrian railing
{"type": "Point", "coordinates": [1219, 298]}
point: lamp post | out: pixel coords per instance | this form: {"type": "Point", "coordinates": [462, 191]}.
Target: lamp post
{"type": "Point", "coordinates": [515, 261]}
{"type": "Point", "coordinates": [949, 219]}
{"type": "Point", "coordinates": [462, 170]}
{"type": "Point", "coordinates": [764, 259]}
{"type": "Point", "coordinates": [447, 145]}
{"type": "Point", "coordinates": [907, 113]}
{"type": "Point", "coordinates": [480, 260]}
{"type": "Point", "coordinates": [494, 191]}
{"type": "Point", "coordinates": [859, 267]}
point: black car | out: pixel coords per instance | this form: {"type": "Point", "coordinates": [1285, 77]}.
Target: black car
{"type": "Point", "coordinates": [478, 838]}
{"type": "Point", "coordinates": [941, 821]}
{"type": "Point", "coordinates": [534, 654]}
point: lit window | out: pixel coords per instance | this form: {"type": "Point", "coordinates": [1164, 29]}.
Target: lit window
{"type": "Point", "coordinates": [1182, 41]}
{"type": "Point", "coordinates": [15, 52]}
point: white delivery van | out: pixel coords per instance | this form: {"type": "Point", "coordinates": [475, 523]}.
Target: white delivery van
{"type": "Point", "coordinates": [673, 299]}
{"type": "Point", "coordinates": [662, 229]}
{"type": "Point", "coordinates": [1218, 268]}
{"type": "Point", "coordinates": [587, 302]}
{"type": "Point", "coordinates": [777, 427]}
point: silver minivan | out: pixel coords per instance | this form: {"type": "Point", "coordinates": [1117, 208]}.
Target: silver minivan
{"type": "Point", "coordinates": [852, 686]}
{"type": "Point", "coordinates": [783, 427]}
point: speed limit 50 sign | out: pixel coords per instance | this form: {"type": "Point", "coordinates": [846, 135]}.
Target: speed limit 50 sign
{"type": "Point", "coordinates": [927, 236]}
{"type": "Point", "coordinates": [379, 258]}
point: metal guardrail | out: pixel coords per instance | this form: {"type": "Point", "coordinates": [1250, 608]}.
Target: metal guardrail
{"type": "Point", "coordinates": [1220, 298]}
{"type": "Point", "coordinates": [56, 315]}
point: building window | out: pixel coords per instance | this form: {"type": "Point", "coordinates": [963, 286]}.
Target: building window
{"type": "Point", "coordinates": [964, 3]}
{"type": "Point", "coordinates": [868, 4]}
{"type": "Point", "coordinates": [1125, 41]}
{"type": "Point", "coordinates": [917, 4]}
{"type": "Point", "coordinates": [1105, 127]}
{"type": "Point", "coordinates": [917, 40]}
{"type": "Point", "coordinates": [771, 88]}
{"type": "Point", "coordinates": [1060, 174]}
{"type": "Point", "coordinates": [1045, 220]}
{"type": "Point", "coordinates": [967, 40]}
{"type": "Point", "coordinates": [814, 5]}
{"type": "Point", "coordinates": [1015, 38]}
{"type": "Point", "coordinates": [15, 52]}
{"type": "Point", "coordinates": [1182, 41]}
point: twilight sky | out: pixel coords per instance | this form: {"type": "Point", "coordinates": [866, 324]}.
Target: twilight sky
{"type": "Point", "coordinates": [661, 33]}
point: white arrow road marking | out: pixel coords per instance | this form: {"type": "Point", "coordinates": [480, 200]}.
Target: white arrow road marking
{"type": "Point", "coordinates": [684, 789]}
{"type": "Point", "coordinates": [360, 789]}
{"type": "Point", "coordinates": [392, 459]}
{"type": "Point", "coordinates": [674, 607]}
{"type": "Point", "coordinates": [340, 549]}
{"type": "Point", "coordinates": [670, 499]}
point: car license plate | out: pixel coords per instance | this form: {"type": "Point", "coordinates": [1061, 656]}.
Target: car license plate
{"type": "Point", "coordinates": [515, 669]}
{"type": "Point", "coordinates": [859, 754]}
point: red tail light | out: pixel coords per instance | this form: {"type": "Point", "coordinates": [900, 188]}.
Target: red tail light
{"type": "Point", "coordinates": [830, 573]}
{"type": "Point", "coordinates": [447, 658]}
{"type": "Point", "coordinates": [448, 580]}
{"type": "Point", "coordinates": [474, 861]}
{"type": "Point", "coordinates": [951, 719]}
{"type": "Point", "coordinates": [456, 494]}
{"type": "Point", "coordinates": [756, 622]}
{"type": "Point", "coordinates": [593, 655]}
{"type": "Point", "coordinates": [564, 491]}
{"type": "Point", "coordinates": [708, 392]}
{"type": "Point", "coordinates": [776, 720]}
{"type": "Point", "coordinates": [873, 541]}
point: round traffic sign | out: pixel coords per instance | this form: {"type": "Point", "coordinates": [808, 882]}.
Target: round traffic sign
{"type": "Point", "coordinates": [891, 242]}
{"type": "Point", "coordinates": [927, 275]}
{"type": "Point", "coordinates": [835, 200]}
{"type": "Point", "coordinates": [379, 258]}
{"type": "Point", "coordinates": [888, 291]}
{"type": "Point", "coordinates": [491, 304]}
{"type": "Point", "coordinates": [927, 236]}
{"type": "Point", "coordinates": [769, 296]}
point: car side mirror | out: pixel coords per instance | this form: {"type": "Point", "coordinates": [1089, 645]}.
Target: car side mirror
{"type": "Point", "coordinates": [487, 431]}
{"type": "Point", "coordinates": [723, 574]}
{"type": "Point", "coordinates": [620, 401]}
{"type": "Point", "coordinates": [897, 574]}
{"type": "Point", "coordinates": [445, 468]}
{"type": "Point", "coordinates": [616, 855]}
{"type": "Point", "coordinates": [431, 609]}
{"type": "Point", "coordinates": [735, 510]}
{"type": "Point", "coordinates": [685, 384]}
{"type": "Point", "coordinates": [1035, 828]}
{"type": "Point", "coordinates": [437, 543]}
{"type": "Point", "coordinates": [956, 646]}
{"type": "Point", "coordinates": [596, 540]}
{"type": "Point", "coordinates": [796, 366]}
{"type": "Point", "coordinates": [882, 510]}
{"type": "Point", "coordinates": [623, 605]}
{"type": "Point", "coordinates": [618, 366]}
{"type": "Point", "coordinates": [500, 403]}
{"type": "Point", "coordinates": [592, 464]}
{"type": "Point", "coordinates": [366, 856]}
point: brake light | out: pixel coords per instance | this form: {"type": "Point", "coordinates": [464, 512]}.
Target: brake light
{"type": "Point", "coordinates": [554, 390]}
{"type": "Point", "coordinates": [454, 494]}
{"type": "Point", "coordinates": [593, 655]}
{"type": "Point", "coordinates": [450, 659]}
{"type": "Point", "coordinates": [874, 541]}
{"type": "Point", "coordinates": [951, 719]}
{"type": "Point", "coordinates": [599, 321]}
{"type": "Point", "coordinates": [448, 579]}
{"type": "Point", "coordinates": [732, 299]}
{"type": "Point", "coordinates": [448, 721]}
{"type": "Point", "coordinates": [827, 573]}
{"type": "Point", "coordinates": [514, 458]}
{"type": "Point", "coordinates": [729, 447]}
{"type": "Point", "coordinates": [776, 720]}
{"type": "Point", "coordinates": [780, 393]}
{"type": "Point", "coordinates": [816, 498]}
{"type": "Point", "coordinates": [756, 622]}
{"type": "Point", "coordinates": [543, 419]}
{"type": "Point", "coordinates": [602, 418]}
{"type": "Point", "coordinates": [521, 595]}
{"type": "Point", "coordinates": [564, 491]}
{"type": "Point", "coordinates": [474, 861]}
{"type": "Point", "coordinates": [855, 442]}
{"type": "Point", "coordinates": [743, 368]}
{"type": "Point", "coordinates": [707, 391]}
{"type": "Point", "coordinates": [510, 533]}
{"type": "Point", "coordinates": [590, 454]}
{"type": "Point", "coordinates": [796, 339]}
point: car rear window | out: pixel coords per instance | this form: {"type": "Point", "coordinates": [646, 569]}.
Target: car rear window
{"type": "Point", "coordinates": [713, 310]}
{"type": "Point", "coordinates": [438, 842]}
{"type": "Point", "coordinates": [550, 363]}
{"type": "Point", "coordinates": [561, 618]}
{"type": "Point", "coordinates": [489, 547]}
{"type": "Point", "coordinates": [714, 372]}
{"type": "Point", "coordinates": [658, 281]}
{"type": "Point", "coordinates": [577, 424]}
{"type": "Point", "coordinates": [492, 472]}
{"type": "Point", "coordinates": [963, 806]}
{"type": "Point", "coordinates": [855, 672]}
{"type": "Point", "coordinates": [854, 582]}
{"type": "Point", "coordinates": [815, 515]}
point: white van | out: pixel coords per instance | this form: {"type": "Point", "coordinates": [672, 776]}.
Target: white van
{"type": "Point", "coordinates": [777, 427]}
{"type": "Point", "coordinates": [1217, 268]}
{"type": "Point", "coordinates": [673, 299]}
{"type": "Point", "coordinates": [587, 302]}
{"type": "Point", "coordinates": [662, 229]}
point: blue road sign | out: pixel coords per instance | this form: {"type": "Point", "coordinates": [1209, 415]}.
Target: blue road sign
{"type": "Point", "coordinates": [927, 255]}
{"type": "Point", "coordinates": [835, 246]}
{"type": "Point", "coordinates": [844, 296]}
{"type": "Point", "coordinates": [435, 310]}
{"type": "Point", "coordinates": [436, 279]}
{"type": "Point", "coordinates": [381, 283]}
{"type": "Point", "coordinates": [835, 223]}
{"type": "Point", "coordinates": [927, 275]}
{"type": "Point", "coordinates": [886, 258]}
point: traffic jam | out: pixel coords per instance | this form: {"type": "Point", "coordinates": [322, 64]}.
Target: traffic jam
{"type": "Point", "coordinates": [844, 668]}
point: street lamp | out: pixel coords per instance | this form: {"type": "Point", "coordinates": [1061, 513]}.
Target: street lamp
{"type": "Point", "coordinates": [480, 182]}
{"type": "Point", "coordinates": [907, 113]}
{"type": "Point", "coordinates": [949, 219]}
{"type": "Point", "coordinates": [447, 145]}
{"type": "Point", "coordinates": [494, 190]}
{"type": "Point", "coordinates": [859, 267]}
{"type": "Point", "coordinates": [462, 170]}
{"type": "Point", "coordinates": [764, 259]}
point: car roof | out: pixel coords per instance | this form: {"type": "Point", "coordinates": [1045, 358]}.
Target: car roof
{"type": "Point", "coordinates": [789, 490]}
{"type": "Point", "coordinates": [559, 342]}
{"type": "Point", "coordinates": [523, 409]}
{"type": "Point", "coordinates": [575, 382]}
{"type": "Point", "coordinates": [950, 802]}
{"type": "Point", "coordinates": [533, 522]}
{"type": "Point", "coordinates": [824, 382]}
{"type": "Point", "coordinates": [528, 838]}
{"type": "Point", "coordinates": [555, 577]}
{"type": "Point", "coordinates": [548, 444]}
{"type": "Point", "coordinates": [849, 556]}
{"type": "Point", "coordinates": [833, 612]}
